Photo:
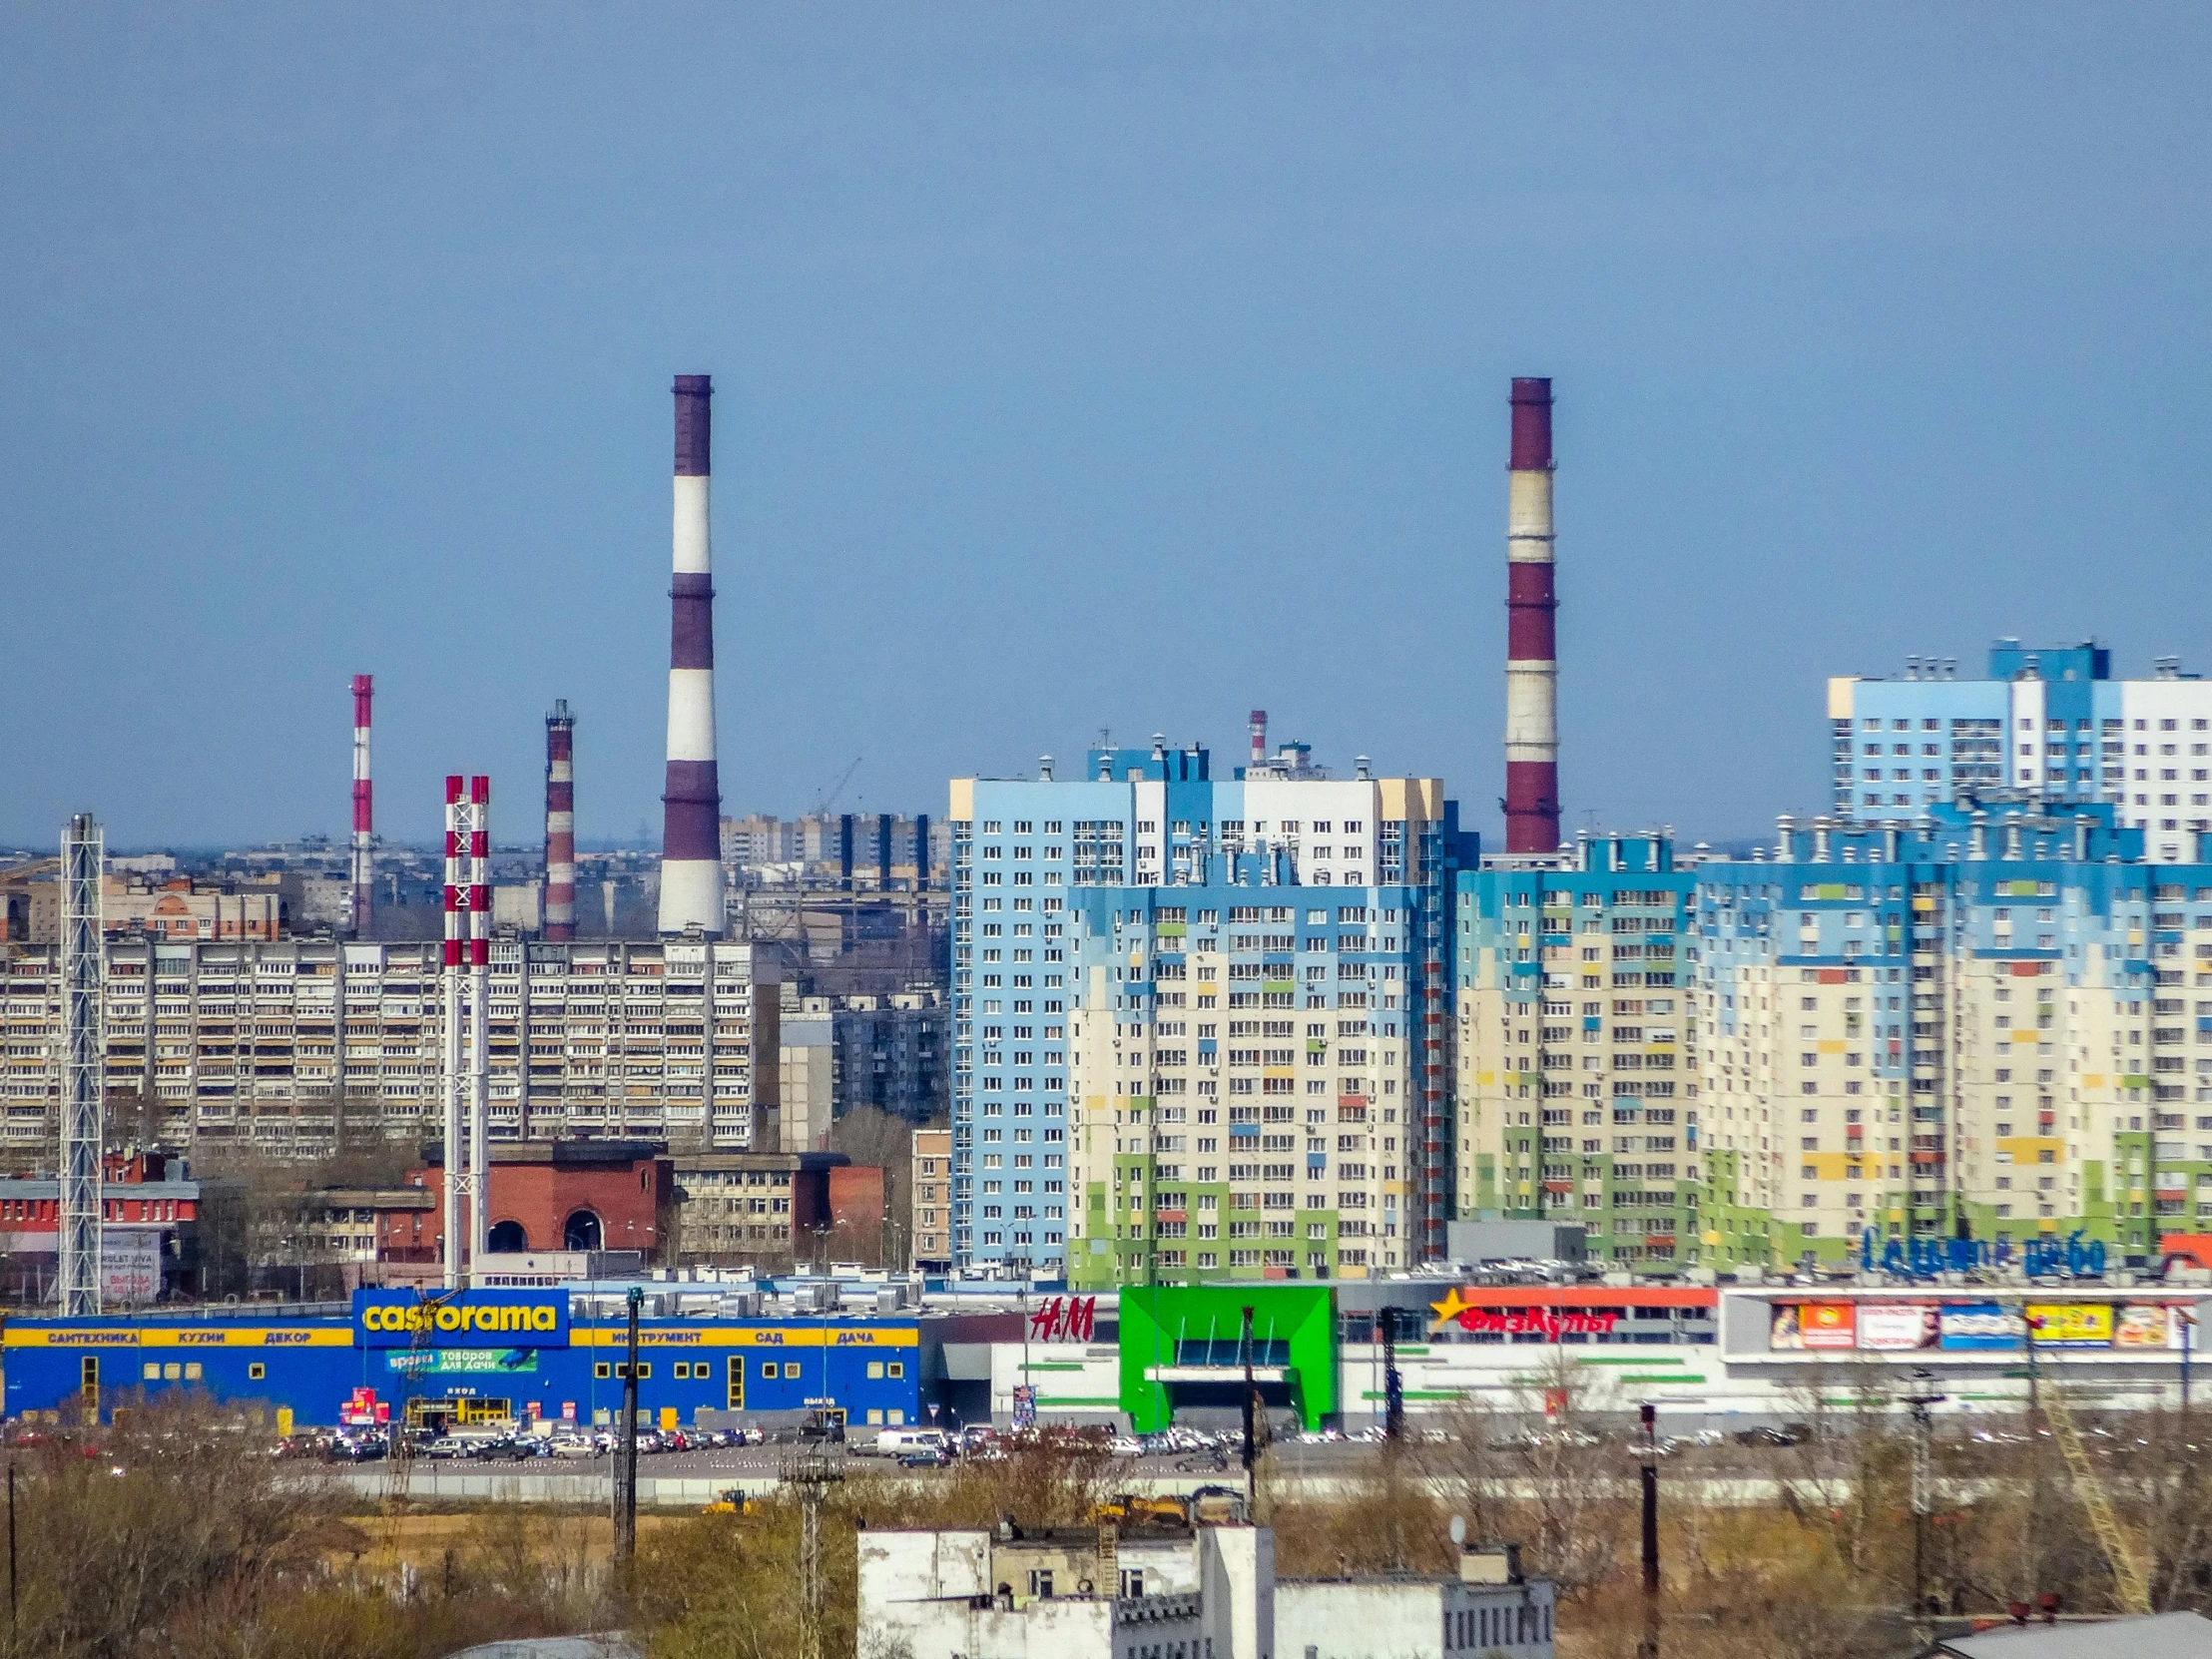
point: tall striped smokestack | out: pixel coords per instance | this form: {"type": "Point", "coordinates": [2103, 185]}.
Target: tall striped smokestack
{"type": "Point", "coordinates": [479, 1054]}
{"type": "Point", "coordinates": [1532, 653]}
{"type": "Point", "coordinates": [364, 812]}
{"type": "Point", "coordinates": [560, 822]}
{"type": "Point", "coordinates": [453, 1083]}
{"type": "Point", "coordinates": [691, 835]}
{"type": "Point", "coordinates": [1259, 738]}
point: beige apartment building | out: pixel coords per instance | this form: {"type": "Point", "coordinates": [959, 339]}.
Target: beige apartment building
{"type": "Point", "coordinates": [271, 1044]}
{"type": "Point", "coordinates": [932, 1189]}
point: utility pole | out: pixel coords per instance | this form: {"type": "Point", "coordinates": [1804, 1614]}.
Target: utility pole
{"type": "Point", "coordinates": [1924, 1504]}
{"type": "Point", "coordinates": [1250, 1403]}
{"type": "Point", "coordinates": [1648, 1453]}
{"type": "Point", "coordinates": [626, 1458]}
{"type": "Point", "coordinates": [1393, 1385]}
{"type": "Point", "coordinates": [812, 1474]}
{"type": "Point", "coordinates": [2188, 1342]}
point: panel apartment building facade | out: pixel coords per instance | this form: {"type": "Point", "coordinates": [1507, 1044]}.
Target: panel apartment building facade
{"type": "Point", "coordinates": [1577, 1053]}
{"type": "Point", "coordinates": [266, 1043]}
{"type": "Point", "coordinates": [1200, 1027]}
{"type": "Point", "coordinates": [2049, 725]}
{"type": "Point", "coordinates": [1981, 1019]}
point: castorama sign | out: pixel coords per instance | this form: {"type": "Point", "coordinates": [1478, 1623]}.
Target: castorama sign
{"type": "Point", "coordinates": [460, 1319]}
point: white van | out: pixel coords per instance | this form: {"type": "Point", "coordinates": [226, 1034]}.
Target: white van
{"type": "Point", "coordinates": [897, 1443]}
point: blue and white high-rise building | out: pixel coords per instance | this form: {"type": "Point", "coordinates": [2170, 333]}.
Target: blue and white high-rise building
{"type": "Point", "coordinates": [1127, 946]}
{"type": "Point", "coordinates": [2047, 725]}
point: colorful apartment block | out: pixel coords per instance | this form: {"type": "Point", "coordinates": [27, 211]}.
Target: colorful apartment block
{"type": "Point", "coordinates": [1578, 1054]}
{"type": "Point", "coordinates": [2049, 725]}
{"type": "Point", "coordinates": [1201, 1027]}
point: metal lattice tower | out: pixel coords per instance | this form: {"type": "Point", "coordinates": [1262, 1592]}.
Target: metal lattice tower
{"type": "Point", "coordinates": [813, 1474]}
{"type": "Point", "coordinates": [84, 1066]}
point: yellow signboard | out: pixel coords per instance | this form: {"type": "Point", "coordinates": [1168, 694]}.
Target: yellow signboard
{"type": "Point", "coordinates": [2069, 1324]}
{"type": "Point", "coordinates": [178, 1335]}
{"type": "Point", "coordinates": [748, 1336]}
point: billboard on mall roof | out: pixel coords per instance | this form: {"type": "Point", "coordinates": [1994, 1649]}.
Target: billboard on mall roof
{"type": "Point", "coordinates": [1813, 1326]}
{"type": "Point", "coordinates": [1970, 1327]}
{"type": "Point", "coordinates": [1898, 1327]}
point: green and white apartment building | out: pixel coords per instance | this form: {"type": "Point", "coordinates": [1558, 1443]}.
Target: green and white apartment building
{"type": "Point", "coordinates": [1994, 1020]}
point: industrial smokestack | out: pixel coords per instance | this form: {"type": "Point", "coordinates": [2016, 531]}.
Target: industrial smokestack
{"type": "Point", "coordinates": [1531, 654]}
{"type": "Point", "coordinates": [364, 814]}
{"type": "Point", "coordinates": [560, 822]}
{"type": "Point", "coordinates": [452, 1085]}
{"type": "Point", "coordinates": [479, 1057]}
{"type": "Point", "coordinates": [691, 826]}
{"type": "Point", "coordinates": [1258, 737]}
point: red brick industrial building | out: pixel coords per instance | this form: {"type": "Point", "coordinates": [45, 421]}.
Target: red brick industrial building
{"type": "Point", "coordinates": [565, 1195]}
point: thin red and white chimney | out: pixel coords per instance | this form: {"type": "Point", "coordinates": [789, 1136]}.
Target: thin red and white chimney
{"type": "Point", "coordinates": [1259, 738]}
{"type": "Point", "coordinates": [560, 822]}
{"type": "Point", "coordinates": [1531, 650]}
{"type": "Point", "coordinates": [364, 813]}
{"type": "Point", "coordinates": [691, 823]}
{"type": "Point", "coordinates": [480, 1056]}
{"type": "Point", "coordinates": [452, 1085]}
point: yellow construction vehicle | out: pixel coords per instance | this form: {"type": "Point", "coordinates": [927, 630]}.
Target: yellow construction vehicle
{"type": "Point", "coordinates": [731, 1500]}
{"type": "Point", "coordinates": [1129, 1510]}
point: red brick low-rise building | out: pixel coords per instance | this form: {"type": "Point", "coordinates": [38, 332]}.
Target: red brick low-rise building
{"type": "Point", "coordinates": [566, 1195]}
{"type": "Point", "coordinates": [150, 1231]}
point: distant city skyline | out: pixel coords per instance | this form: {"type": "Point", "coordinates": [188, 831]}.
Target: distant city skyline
{"type": "Point", "coordinates": [1127, 370]}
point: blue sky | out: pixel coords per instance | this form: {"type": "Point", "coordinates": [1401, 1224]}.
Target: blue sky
{"type": "Point", "coordinates": [1094, 366]}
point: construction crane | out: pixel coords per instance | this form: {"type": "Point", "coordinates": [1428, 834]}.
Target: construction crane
{"type": "Point", "coordinates": [829, 797]}
{"type": "Point", "coordinates": [2120, 1548]}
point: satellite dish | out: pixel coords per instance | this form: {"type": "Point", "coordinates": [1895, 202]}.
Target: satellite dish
{"type": "Point", "coordinates": [1458, 1529]}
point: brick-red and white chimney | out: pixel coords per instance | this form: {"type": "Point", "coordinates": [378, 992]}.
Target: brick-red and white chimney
{"type": "Point", "coordinates": [691, 822]}
{"type": "Point", "coordinates": [364, 809]}
{"type": "Point", "coordinates": [560, 822]}
{"type": "Point", "coordinates": [1531, 649]}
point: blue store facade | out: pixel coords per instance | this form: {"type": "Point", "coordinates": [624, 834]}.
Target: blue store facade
{"type": "Point", "coordinates": [508, 1353]}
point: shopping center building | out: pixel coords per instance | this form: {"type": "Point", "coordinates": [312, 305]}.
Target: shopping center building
{"type": "Point", "coordinates": [1320, 1356]}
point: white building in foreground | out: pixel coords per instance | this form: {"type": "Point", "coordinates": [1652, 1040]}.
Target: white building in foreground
{"type": "Point", "coordinates": [1205, 1593]}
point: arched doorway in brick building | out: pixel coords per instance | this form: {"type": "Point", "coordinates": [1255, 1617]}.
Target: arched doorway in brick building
{"type": "Point", "coordinates": [508, 1236]}
{"type": "Point", "coordinates": [583, 1232]}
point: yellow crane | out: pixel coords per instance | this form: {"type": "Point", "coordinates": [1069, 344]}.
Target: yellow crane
{"type": "Point", "coordinates": [2120, 1547]}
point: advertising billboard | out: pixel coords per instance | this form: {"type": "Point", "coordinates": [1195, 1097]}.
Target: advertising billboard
{"type": "Point", "coordinates": [462, 1361]}
{"type": "Point", "coordinates": [1979, 1325]}
{"type": "Point", "coordinates": [1813, 1326]}
{"type": "Point", "coordinates": [2140, 1325]}
{"type": "Point", "coordinates": [460, 1319]}
{"type": "Point", "coordinates": [1898, 1327]}
{"type": "Point", "coordinates": [2069, 1324]}
{"type": "Point", "coordinates": [129, 1266]}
